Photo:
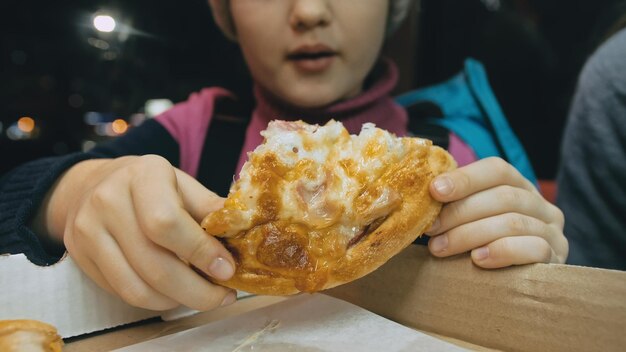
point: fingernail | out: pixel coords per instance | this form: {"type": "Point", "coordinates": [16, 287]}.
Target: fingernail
{"type": "Point", "coordinates": [434, 227]}
{"type": "Point", "coordinates": [481, 253]}
{"type": "Point", "coordinates": [443, 185]}
{"type": "Point", "coordinates": [230, 298]}
{"type": "Point", "coordinates": [439, 243]}
{"type": "Point", "coordinates": [221, 269]}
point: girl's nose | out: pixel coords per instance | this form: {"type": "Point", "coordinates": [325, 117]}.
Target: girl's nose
{"type": "Point", "coordinates": [308, 14]}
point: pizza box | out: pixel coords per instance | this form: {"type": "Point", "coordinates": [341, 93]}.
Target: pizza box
{"type": "Point", "coordinates": [525, 308]}
{"type": "Point", "coordinates": [538, 307]}
{"type": "Point", "coordinates": [60, 295]}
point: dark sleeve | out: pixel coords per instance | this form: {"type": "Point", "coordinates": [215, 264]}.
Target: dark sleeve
{"type": "Point", "coordinates": [23, 188]}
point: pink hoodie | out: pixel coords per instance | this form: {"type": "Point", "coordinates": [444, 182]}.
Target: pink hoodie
{"type": "Point", "coordinates": [188, 122]}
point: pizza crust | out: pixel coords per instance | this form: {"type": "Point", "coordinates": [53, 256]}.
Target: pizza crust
{"type": "Point", "coordinates": [28, 336]}
{"type": "Point", "coordinates": [313, 222]}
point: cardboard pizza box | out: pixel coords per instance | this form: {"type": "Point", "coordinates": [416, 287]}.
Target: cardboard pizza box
{"type": "Point", "coordinates": [539, 307]}
{"type": "Point", "coordinates": [61, 295]}
{"type": "Point", "coordinates": [526, 308]}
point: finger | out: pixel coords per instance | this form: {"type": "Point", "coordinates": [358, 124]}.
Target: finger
{"type": "Point", "coordinates": [495, 201]}
{"type": "Point", "coordinates": [167, 274]}
{"type": "Point", "coordinates": [170, 276]}
{"type": "Point", "coordinates": [86, 265]}
{"type": "Point", "coordinates": [159, 210]}
{"type": "Point", "coordinates": [513, 251]}
{"type": "Point", "coordinates": [160, 268]}
{"type": "Point", "coordinates": [106, 265]}
{"type": "Point", "coordinates": [116, 270]}
{"type": "Point", "coordinates": [197, 199]}
{"type": "Point", "coordinates": [479, 233]}
{"type": "Point", "coordinates": [476, 177]}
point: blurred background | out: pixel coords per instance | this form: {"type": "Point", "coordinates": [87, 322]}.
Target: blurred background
{"type": "Point", "coordinates": [77, 72]}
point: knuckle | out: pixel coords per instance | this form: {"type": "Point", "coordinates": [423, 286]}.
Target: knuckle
{"type": "Point", "coordinates": [157, 278]}
{"type": "Point", "coordinates": [152, 161]}
{"type": "Point", "coordinates": [558, 215]}
{"type": "Point", "coordinates": [137, 296]}
{"type": "Point", "coordinates": [161, 221]}
{"type": "Point", "coordinates": [512, 223]}
{"type": "Point", "coordinates": [511, 197]}
{"type": "Point", "coordinates": [145, 164]}
{"type": "Point", "coordinates": [501, 167]}
{"type": "Point", "coordinates": [562, 256]}
{"type": "Point", "coordinates": [127, 158]}
{"type": "Point", "coordinates": [497, 163]}
{"type": "Point", "coordinates": [68, 240]}
{"type": "Point", "coordinates": [464, 181]}
{"type": "Point", "coordinates": [559, 243]}
{"type": "Point", "coordinates": [83, 227]}
{"type": "Point", "coordinates": [203, 252]}
{"type": "Point", "coordinates": [103, 196]}
{"type": "Point", "coordinates": [459, 241]}
{"type": "Point", "coordinates": [503, 248]}
{"type": "Point", "coordinates": [140, 296]}
{"type": "Point", "coordinates": [542, 251]}
{"type": "Point", "coordinates": [452, 211]}
{"type": "Point", "coordinates": [506, 172]}
{"type": "Point", "coordinates": [517, 224]}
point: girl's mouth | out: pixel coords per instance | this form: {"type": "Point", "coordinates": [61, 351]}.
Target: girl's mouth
{"type": "Point", "coordinates": [312, 59]}
{"type": "Point", "coordinates": [310, 56]}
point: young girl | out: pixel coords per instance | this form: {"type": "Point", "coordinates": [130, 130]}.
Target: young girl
{"type": "Point", "coordinates": [128, 212]}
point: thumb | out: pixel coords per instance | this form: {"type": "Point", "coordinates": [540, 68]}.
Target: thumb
{"type": "Point", "coordinates": [197, 199]}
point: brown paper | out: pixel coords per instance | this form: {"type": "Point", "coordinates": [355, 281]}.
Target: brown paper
{"type": "Point", "coordinates": [539, 307]}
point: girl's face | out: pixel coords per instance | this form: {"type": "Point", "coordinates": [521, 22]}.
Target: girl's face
{"type": "Point", "coordinates": [310, 53]}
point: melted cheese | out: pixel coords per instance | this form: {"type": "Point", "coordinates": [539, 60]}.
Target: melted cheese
{"type": "Point", "coordinates": [312, 174]}
{"type": "Point", "coordinates": [306, 195]}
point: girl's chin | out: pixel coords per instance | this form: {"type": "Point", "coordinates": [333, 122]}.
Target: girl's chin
{"type": "Point", "coordinates": [311, 103]}
{"type": "Point", "coordinates": [313, 99]}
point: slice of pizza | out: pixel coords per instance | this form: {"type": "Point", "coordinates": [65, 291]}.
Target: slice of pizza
{"type": "Point", "coordinates": [316, 207]}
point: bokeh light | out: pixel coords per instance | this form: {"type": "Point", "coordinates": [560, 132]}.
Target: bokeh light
{"type": "Point", "coordinates": [26, 124]}
{"type": "Point", "coordinates": [154, 107]}
{"type": "Point", "coordinates": [104, 23]}
{"type": "Point", "coordinates": [119, 126]}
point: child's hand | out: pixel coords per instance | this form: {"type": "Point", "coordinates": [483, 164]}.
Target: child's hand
{"type": "Point", "coordinates": [493, 211]}
{"type": "Point", "coordinates": [128, 222]}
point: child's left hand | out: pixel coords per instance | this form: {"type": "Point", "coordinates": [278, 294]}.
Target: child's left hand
{"type": "Point", "coordinates": [493, 211]}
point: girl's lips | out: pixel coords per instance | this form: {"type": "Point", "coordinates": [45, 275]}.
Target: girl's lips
{"type": "Point", "coordinates": [312, 58]}
{"type": "Point", "coordinates": [313, 64]}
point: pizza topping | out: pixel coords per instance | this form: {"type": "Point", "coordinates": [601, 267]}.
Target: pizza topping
{"type": "Point", "coordinates": [316, 185]}
{"type": "Point", "coordinates": [310, 194]}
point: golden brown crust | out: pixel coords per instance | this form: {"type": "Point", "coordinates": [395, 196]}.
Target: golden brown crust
{"type": "Point", "coordinates": [416, 214]}
{"type": "Point", "coordinates": [29, 335]}
{"type": "Point", "coordinates": [278, 256]}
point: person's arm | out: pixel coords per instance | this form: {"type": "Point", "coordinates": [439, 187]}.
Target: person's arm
{"type": "Point", "coordinates": [21, 192]}
{"type": "Point", "coordinates": [591, 187]}
{"type": "Point", "coordinates": [131, 223]}
{"type": "Point", "coordinates": [25, 191]}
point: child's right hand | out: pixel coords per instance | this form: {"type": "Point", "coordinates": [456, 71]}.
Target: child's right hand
{"type": "Point", "coordinates": [132, 223]}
